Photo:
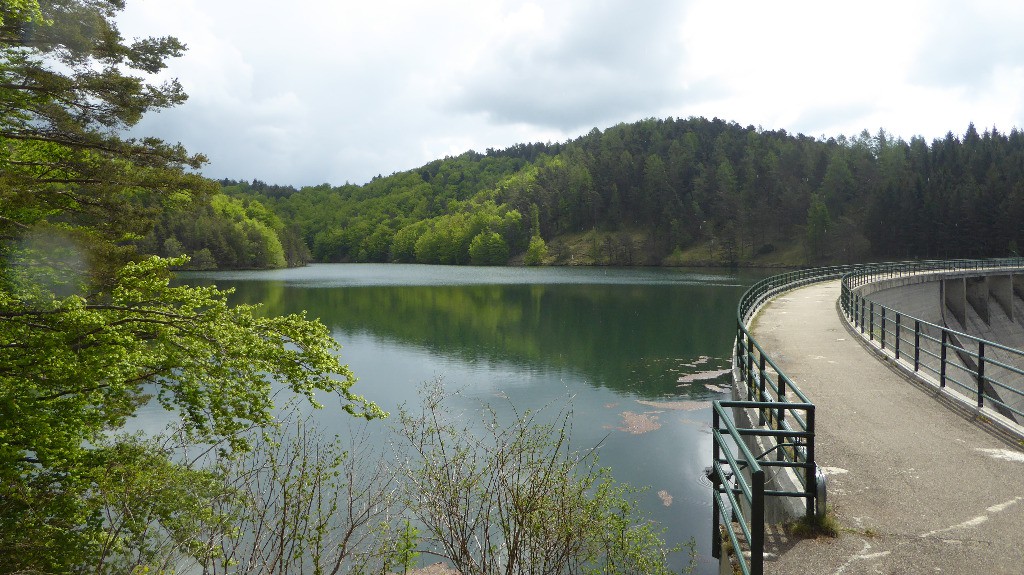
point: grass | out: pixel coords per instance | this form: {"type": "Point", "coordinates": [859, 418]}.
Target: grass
{"type": "Point", "coordinates": [814, 527]}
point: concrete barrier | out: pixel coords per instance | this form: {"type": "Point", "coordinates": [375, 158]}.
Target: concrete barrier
{"type": "Point", "coordinates": [1000, 289]}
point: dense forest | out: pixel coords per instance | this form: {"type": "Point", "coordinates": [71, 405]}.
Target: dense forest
{"type": "Point", "coordinates": [655, 192]}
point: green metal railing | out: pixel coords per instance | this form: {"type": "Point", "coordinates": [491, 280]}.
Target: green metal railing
{"type": "Point", "coordinates": [733, 483]}
{"type": "Point", "coordinates": [980, 369]}
{"type": "Point", "coordinates": [785, 416]}
{"type": "Point", "coordinates": [785, 423]}
{"type": "Point", "coordinates": [739, 476]}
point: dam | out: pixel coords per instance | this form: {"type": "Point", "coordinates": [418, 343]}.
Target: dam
{"type": "Point", "coordinates": [913, 438]}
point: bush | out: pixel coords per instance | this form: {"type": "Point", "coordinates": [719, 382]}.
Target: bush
{"type": "Point", "coordinates": [519, 500]}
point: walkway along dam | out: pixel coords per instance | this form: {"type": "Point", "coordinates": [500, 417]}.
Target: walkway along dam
{"type": "Point", "coordinates": [887, 396]}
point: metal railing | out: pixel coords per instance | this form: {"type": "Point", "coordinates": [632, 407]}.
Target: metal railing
{"type": "Point", "coordinates": [785, 416]}
{"type": "Point", "coordinates": [784, 425]}
{"type": "Point", "coordinates": [740, 490]}
{"type": "Point", "coordinates": [989, 373]}
{"type": "Point", "coordinates": [871, 273]}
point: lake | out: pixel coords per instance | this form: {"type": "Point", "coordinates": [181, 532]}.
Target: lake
{"type": "Point", "coordinates": [638, 354]}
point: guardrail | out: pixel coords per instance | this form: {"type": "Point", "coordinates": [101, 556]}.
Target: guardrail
{"type": "Point", "coordinates": [746, 471]}
{"type": "Point", "coordinates": [785, 416]}
{"type": "Point", "coordinates": [979, 369]}
{"type": "Point", "coordinates": [784, 426]}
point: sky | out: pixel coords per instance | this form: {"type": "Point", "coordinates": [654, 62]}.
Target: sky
{"type": "Point", "coordinates": [304, 92]}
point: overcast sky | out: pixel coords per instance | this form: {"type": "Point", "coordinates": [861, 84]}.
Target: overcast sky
{"type": "Point", "coordinates": [310, 91]}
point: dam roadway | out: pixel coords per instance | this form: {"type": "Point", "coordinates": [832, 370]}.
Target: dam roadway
{"type": "Point", "coordinates": [917, 482]}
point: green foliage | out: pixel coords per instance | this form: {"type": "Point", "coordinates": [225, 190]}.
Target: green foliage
{"type": "Point", "coordinates": [225, 232]}
{"type": "Point", "coordinates": [298, 502]}
{"type": "Point", "coordinates": [154, 508]}
{"type": "Point", "coordinates": [405, 546]}
{"type": "Point", "coordinates": [403, 247]}
{"type": "Point", "coordinates": [62, 162]}
{"type": "Point", "coordinates": [76, 368]}
{"type": "Point", "coordinates": [519, 500]}
{"type": "Point", "coordinates": [89, 331]}
{"type": "Point", "coordinates": [488, 249]}
{"type": "Point", "coordinates": [24, 10]}
{"type": "Point", "coordinates": [537, 252]}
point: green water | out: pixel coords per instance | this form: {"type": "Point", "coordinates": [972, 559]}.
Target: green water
{"type": "Point", "coordinates": [609, 342]}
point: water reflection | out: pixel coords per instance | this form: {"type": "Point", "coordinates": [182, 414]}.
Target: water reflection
{"type": "Point", "coordinates": [634, 352]}
{"type": "Point", "coordinates": [636, 336]}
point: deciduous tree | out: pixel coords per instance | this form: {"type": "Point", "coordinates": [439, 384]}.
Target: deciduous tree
{"type": "Point", "coordinates": [88, 331]}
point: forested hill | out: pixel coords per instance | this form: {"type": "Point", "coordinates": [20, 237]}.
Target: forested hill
{"type": "Point", "coordinates": [671, 192]}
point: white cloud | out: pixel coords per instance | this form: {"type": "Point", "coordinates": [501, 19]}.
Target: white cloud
{"type": "Point", "coordinates": [313, 91]}
{"type": "Point", "coordinates": [577, 65]}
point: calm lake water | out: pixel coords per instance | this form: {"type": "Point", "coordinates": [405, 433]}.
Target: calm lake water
{"type": "Point", "coordinates": [637, 353]}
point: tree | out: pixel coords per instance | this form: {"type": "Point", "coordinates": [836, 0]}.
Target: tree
{"type": "Point", "coordinates": [88, 330]}
{"type": "Point", "coordinates": [25, 10]}
{"type": "Point", "coordinates": [67, 94]}
{"type": "Point", "coordinates": [488, 249]}
{"type": "Point", "coordinates": [299, 502]}
{"type": "Point", "coordinates": [818, 227]}
{"type": "Point", "coordinates": [838, 183]}
{"type": "Point", "coordinates": [74, 369]}
{"type": "Point", "coordinates": [537, 252]}
{"type": "Point", "coordinates": [203, 260]}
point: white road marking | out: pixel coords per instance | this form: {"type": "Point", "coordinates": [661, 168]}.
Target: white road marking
{"type": "Point", "coordinates": [1003, 506]}
{"type": "Point", "coordinates": [1005, 454]}
{"type": "Point", "coordinates": [976, 521]}
{"type": "Point", "coordinates": [863, 555]}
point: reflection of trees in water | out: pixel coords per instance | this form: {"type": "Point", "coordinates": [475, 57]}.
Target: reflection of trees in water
{"type": "Point", "coordinates": [623, 336]}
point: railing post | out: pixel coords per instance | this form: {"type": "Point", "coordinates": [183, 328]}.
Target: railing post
{"type": "Point", "coordinates": [761, 389]}
{"type": "Point", "coordinates": [742, 349]}
{"type": "Point", "coordinates": [881, 335]}
{"type": "Point", "coordinates": [981, 373]}
{"type": "Point", "coordinates": [871, 321]}
{"type": "Point", "coordinates": [811, 477]}
{"type": "Point", "coordinates": [942, 360]}
{"type": "Point", "coordinates": [917, 345]}
{"type": "Point", "coordinates": [861, 300]}
{"type": "Point", "coordinates": [750, 373]}
{"type": "Point", "coordinates": [780, 416]}
{"type": "Point", "coordinates": [757, 523]}
{"type": "Point", "coordinates": [739, 341]}
{"type": "Point", "coordinates": [897, 342]}
{"type": "Point", "coordinates": [716, 535]}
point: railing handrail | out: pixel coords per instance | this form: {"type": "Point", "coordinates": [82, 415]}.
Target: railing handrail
{"type": "Point", "coordinates": [969, 348]}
